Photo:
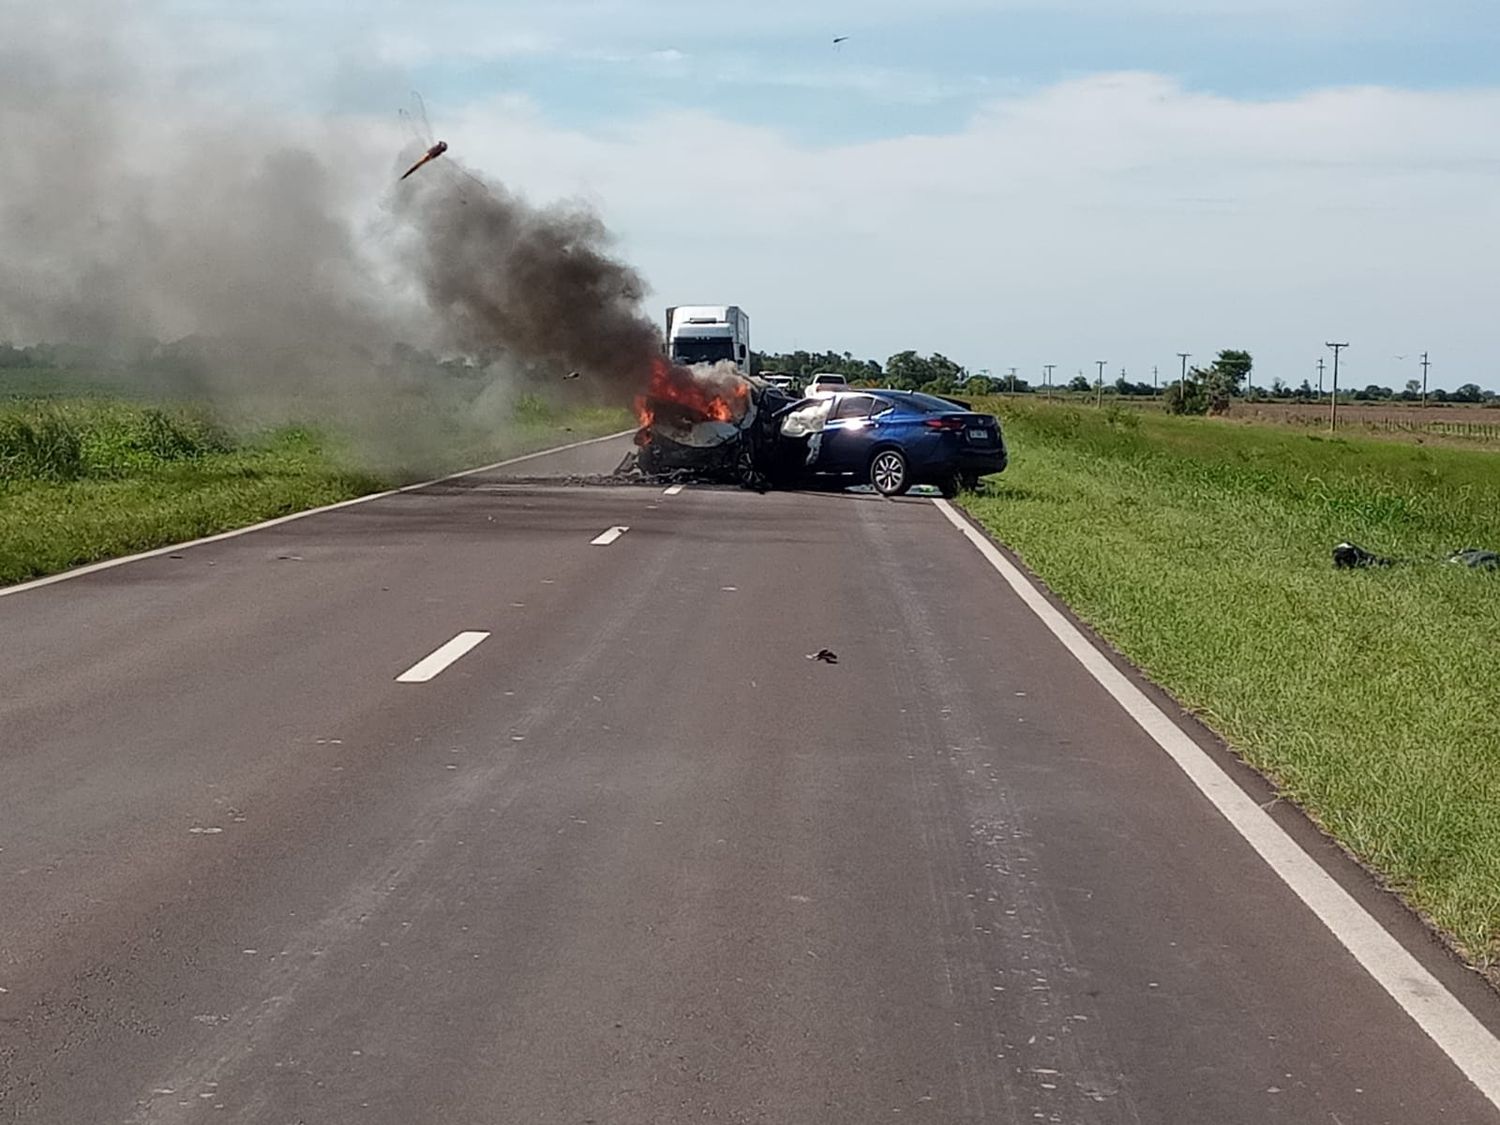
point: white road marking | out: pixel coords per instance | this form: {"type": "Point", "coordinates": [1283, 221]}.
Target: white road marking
{"type": "Point", "coordinates": [608, 537]}
{"type": "Point", "coordinates": [1471, 1046]}
{"type": "Point", "coordinates": [91, 568]}
{"type": "Point", "coordinates": [430, 665]}
{"type": "Point", "coordinates": [673, 490]}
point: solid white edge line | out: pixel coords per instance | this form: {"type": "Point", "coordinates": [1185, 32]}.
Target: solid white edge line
{"type": "Point", "coordinates": [434, 662]}
{"type": "Point", "coordinates": [1466, 1041]}
{"type": "Point", "coordinates": [608, 537]}
{"type": "Point", "coordinates": [155, 552]}
{"type": "Point", "coordinates": [672, 490]}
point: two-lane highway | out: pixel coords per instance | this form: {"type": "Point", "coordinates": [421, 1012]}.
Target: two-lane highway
{"type": "Point", "coordinates": [501, 802]}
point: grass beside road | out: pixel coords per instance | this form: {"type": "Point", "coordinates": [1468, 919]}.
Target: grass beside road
{"type": "Point", "coordinates": [1201, 549]}
{"type": "Point", "coordinates": [85, 480]}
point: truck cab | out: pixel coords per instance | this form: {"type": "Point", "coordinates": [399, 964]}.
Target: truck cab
{"type": "Point", "coordinates": [709, 334]}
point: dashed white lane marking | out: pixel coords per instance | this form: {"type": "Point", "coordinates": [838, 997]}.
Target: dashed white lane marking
{"type": "Point", "coordinates": [109, 564]}
{"type": "Point", "coordinates": [430, 665]}
{"type": "Point", "coordinates": [1471, 1046]}
{"type": "Point", "coordinates": [608, 537]}
{"type": "Point", "coordinates": [672, 490]}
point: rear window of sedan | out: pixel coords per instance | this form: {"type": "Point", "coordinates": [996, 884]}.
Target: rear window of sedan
{"type": "Point", "coordinates": [928, 404]}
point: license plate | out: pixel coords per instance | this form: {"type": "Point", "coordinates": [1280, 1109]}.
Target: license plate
{"type": "Point", "coordinates": [979, 435]}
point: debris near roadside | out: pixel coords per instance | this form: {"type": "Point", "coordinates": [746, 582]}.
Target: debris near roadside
{"type": "Point", "coordinates": [1348, 556]}
{"type": "Point", "coordinates": [1475, 559]}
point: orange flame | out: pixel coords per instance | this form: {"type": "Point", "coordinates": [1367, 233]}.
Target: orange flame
{"type": "Point", "coordinates": [691, 396]}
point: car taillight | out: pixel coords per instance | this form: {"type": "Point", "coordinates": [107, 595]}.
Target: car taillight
{"type": "Point", "coordinates": [951, 425]}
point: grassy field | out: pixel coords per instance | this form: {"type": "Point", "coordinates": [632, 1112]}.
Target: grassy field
{"type": "Point", "coordinates": [88, 479]}
{"type": "Point", "coordinates": [1201, 549]}
{"type": "Point", "coordinates": [1444, 422]}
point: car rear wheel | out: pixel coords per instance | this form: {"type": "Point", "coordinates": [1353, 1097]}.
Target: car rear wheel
{"type": "Point", "coordinates": [888, 472]}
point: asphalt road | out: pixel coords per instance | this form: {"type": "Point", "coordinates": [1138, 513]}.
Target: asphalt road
{"type": "Point", "coordinates": [633, 857]}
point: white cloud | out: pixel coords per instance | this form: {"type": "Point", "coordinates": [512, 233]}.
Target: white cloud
{"type": "Point", "coordinates": [1118, 216]}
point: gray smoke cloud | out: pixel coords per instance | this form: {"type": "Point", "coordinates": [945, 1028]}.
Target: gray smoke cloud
{"type": "Point", "coordinates": [273, 263]}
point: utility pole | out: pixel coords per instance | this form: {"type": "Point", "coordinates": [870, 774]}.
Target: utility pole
{"type": "Point", "coordinates": [1182, 382]}
{"type": "Point", "coordinates": [1012, 380]}
{"type": "Point", "coordinates": [1099, 385]}
{"type": "Point", "coordinates": [1153, 380]}
{"type": "Point", "coordinates": [1320, 376]}
{"type": "Point", "coordinates": [1425, 366]}
{"type": "Point", "coordinates": [1049, 368]}
{"type": "Point", "coordinates": [1333, 399]}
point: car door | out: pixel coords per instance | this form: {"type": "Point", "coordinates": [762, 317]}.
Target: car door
{"type": "Point", "coordinates": [849, 434]}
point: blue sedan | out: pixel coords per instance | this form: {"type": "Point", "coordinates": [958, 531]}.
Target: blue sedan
{"type": "Point", "coordinates": [891, 440]}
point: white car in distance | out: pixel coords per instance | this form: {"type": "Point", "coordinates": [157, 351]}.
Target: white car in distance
{"type": "Point", "coordinates": [825, 383]}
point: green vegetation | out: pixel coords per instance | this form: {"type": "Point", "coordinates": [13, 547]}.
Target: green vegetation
{"type": "Point", "coordinates": [1202, 550]}
{"type": "Point", "coordinates": [88, 479]}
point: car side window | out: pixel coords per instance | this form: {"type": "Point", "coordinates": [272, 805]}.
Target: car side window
{"type": "Point", "coordinates": [881, 406]}
{"type": "Point", "coordinates": [854, 406]}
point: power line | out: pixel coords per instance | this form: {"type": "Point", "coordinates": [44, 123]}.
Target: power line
{"type": "Point", "coordinates": [1333, 399]}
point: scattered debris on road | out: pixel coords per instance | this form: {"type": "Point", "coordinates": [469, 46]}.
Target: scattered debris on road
{"type": "Point", "coordinates": [826, 655]}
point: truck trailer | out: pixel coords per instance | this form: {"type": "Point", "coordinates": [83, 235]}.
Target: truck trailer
{"type": "Point", "coordinates": [708, 334]}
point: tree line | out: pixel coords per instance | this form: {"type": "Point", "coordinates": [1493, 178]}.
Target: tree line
{"type": "Point", "coordinates": [1208, 389]}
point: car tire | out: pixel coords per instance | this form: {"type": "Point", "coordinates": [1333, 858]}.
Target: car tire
{"type": "Point", "coordinates": [970, 482]}
{"type": "Point", "coordinates": [748, 472]}
{"type": "Point", "coordinates": [889, 475]}
{"type": "Point", "coordinates": [949, 486]}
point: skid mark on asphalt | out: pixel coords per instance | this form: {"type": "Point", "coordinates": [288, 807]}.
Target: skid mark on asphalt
{"type": "Point", "coordinates": [1008, 963]}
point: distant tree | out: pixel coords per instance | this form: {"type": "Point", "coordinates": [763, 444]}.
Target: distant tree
{"type": "Point", "coordinates": [1412, 390]}
{"type": "Point", "coordinates": [1227, 374]}
{"type": "Point", "coordinates": [1186, 397]}
{"type": "Point", "coordinates": [1080, 382]}
{"type": "Point", "coordinates": [1305, 390]}
{"type": "Point", "coordinates": [907, 371]}
{"type": "Point", "coordinates": [945, 370]}
{"type": "Point", "coordinates": [802, 364]}
{"type": "Point", "coordinates": [11, 356]}
{"type": "Point", "coordinates": [1469, 392]}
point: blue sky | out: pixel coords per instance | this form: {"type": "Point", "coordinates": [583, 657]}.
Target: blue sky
{"type": "Point", "coordinates": [1012, 182]}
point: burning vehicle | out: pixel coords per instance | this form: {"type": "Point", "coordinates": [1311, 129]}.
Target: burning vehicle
{"type": "Point", "coordinates": [709, 422]}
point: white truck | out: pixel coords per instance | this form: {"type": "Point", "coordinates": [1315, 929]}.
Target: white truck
{"type": "Point", "coordinates": [708, 334]}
